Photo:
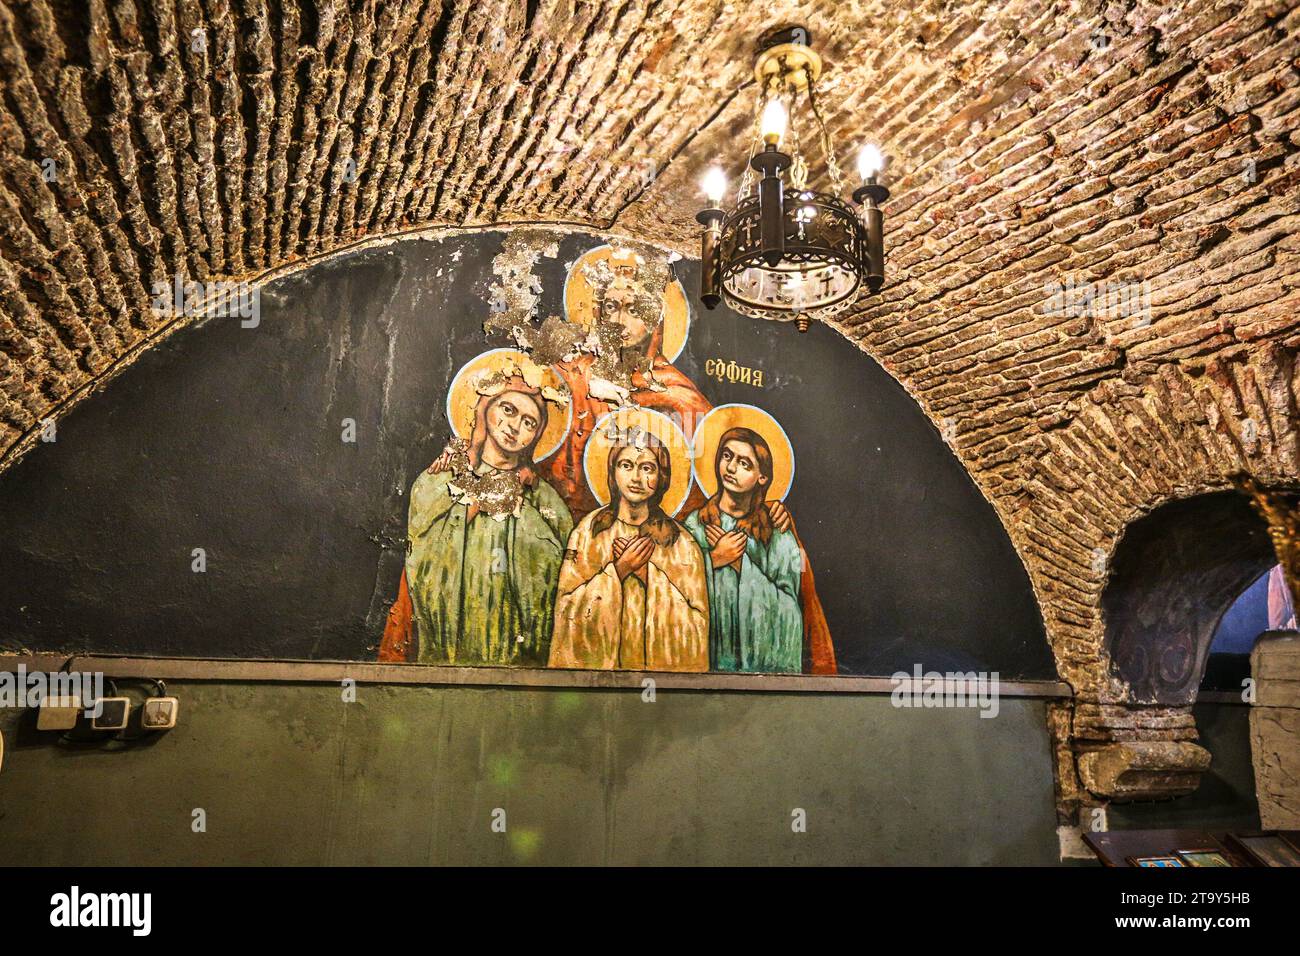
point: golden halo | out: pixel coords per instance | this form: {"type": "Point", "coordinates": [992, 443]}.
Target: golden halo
{"type": "Point", "coordinates": [580, 301]}
{"type": "Point", "coordinates": [463, 395]}
{"type": "Point", "coordinates": [631, 422]}
{"type": "Point", "coordinates": [716, 423]}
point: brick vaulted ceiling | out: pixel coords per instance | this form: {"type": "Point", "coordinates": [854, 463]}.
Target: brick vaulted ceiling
{"type": "Point", "coordinates": [1031, 143]}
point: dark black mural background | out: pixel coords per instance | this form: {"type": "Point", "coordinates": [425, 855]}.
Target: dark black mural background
{"type": "Point", "coordinates": [229, 439]}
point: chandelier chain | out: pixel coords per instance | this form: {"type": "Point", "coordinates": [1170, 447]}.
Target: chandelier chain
{"type": "Point", "coordinates": [756, 136]}
{"type": "Point", "coordinates": [791, 121]}
{"type": "Point", "coordinates": [837, 180]}
{"type": "Point", "coordinates": [799, 165]}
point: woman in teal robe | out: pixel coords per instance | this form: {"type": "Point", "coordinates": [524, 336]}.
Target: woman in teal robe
{"type": "Point", "coordinates": [752, 569]}
{"type": "Point", "coordinates": [486, 539]}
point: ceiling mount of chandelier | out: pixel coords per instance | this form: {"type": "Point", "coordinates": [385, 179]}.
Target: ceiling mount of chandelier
{"type": "Point", "coordinates": [786, 251]}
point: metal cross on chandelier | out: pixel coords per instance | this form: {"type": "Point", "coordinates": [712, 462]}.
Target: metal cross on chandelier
{"type": "Point", "coordinates": [786, 251]}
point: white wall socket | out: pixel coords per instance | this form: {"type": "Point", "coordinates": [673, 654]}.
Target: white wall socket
{"type": "Point", "coordinates": [160, 713]}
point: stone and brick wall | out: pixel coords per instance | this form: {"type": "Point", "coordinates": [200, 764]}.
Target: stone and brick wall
{"type": "Point", "coordinates": [1093, 265]}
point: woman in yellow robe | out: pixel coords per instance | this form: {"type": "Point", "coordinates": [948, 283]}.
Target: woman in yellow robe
{"type": "Point", "coordinates": [632, 591]}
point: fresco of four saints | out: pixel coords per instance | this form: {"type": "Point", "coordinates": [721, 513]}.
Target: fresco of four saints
{"type": "Point", "coordinates": [596, 511]}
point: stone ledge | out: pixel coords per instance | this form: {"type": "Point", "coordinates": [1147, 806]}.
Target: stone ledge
{"type": "Point", "coordinates": [1143, 770]}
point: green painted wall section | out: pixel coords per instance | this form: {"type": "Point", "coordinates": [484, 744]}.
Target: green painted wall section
{"type": "Point", "coordinates": [290, 774]}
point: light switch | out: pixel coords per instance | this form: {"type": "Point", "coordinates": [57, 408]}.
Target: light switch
{"type": "Point", "coordinates": [112, 713]}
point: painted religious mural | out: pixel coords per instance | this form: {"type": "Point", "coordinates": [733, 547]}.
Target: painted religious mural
{"type": "Point", "coordinates": [593, 509]}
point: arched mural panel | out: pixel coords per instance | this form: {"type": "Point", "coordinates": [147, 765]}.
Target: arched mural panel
{"type": "Point", "coordinates": [250, 491]}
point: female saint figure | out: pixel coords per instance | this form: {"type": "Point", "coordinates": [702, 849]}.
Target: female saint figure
{"type": "Point", "coordinates": [486, 537]}
{"type": "Point", "coordinates": [632, 591]}
{"type": "Point", "coordinates": [753, 569]}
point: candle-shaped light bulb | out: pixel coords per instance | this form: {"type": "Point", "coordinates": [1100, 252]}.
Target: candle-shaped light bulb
{"type": "Point", "coordinates": [773, 122]}
{"type": "Point", "coordinates": [714, 185]}
{"type": "Point", "coordinates": [870, 161]}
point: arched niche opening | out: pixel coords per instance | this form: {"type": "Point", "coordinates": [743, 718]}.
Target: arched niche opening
{"type": "Point", "coordinates": [1175, 573]}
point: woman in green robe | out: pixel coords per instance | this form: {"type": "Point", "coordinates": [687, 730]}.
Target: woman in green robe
{"type": "Point", "coordinates": [487, 537]}
{"type": "Point", "coordinates": [752, 569]}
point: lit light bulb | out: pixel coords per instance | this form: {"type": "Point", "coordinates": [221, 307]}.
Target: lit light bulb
{"type": "Point", "coordinates": [870, 161]}
{"type": "Point", "coordinates": [714, 185]}
{"type": "Point", "coordinates": [773, 122]}
{"type": "Point", "coordinates": [797, 290]}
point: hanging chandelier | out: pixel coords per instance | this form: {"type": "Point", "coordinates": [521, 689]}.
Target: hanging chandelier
{"type": "Point", "coordinates": [786, 251]}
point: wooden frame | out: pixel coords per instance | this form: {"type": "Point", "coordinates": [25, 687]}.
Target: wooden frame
{"type": "Point", "coordinates": [1194, 857]}
{"type": "Point", "coordinates": [1289, 839]}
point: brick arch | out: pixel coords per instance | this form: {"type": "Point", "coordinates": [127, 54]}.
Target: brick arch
{"type": "Point", "coordinates": [1132, 450]}
{"type": "Point", "coordinates": [1188, 429]}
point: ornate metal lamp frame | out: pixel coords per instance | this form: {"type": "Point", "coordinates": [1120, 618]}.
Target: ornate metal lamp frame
{"type": "Point", "coordinates": [788, 252]}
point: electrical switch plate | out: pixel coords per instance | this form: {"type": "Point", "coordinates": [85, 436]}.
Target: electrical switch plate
{"type": "Point", "coordinates": [160, 713]}
{"type": "Point", "coordinates": [112, 713]}
{"type": "Point", "coordinates": [58, 713]}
